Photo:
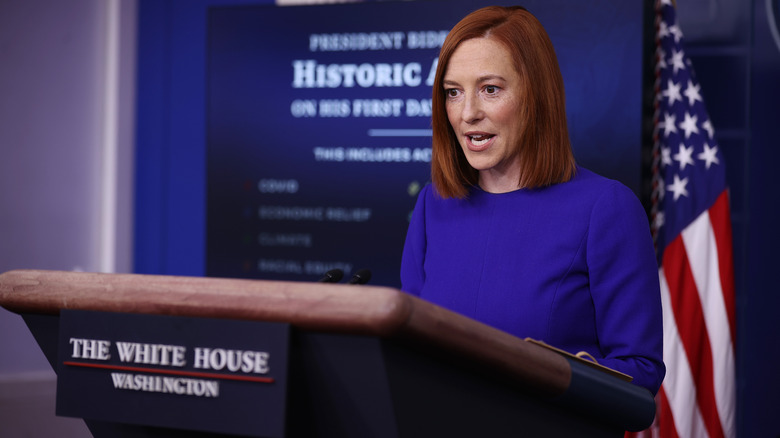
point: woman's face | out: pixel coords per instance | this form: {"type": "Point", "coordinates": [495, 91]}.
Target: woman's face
{"type": "Point", "coordinates": [483, 98]}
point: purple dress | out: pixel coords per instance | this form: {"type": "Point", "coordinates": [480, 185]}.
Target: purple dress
{"type": "Point", "coordinates": [572, 265]}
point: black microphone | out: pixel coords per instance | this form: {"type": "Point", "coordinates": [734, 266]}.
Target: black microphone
{"type": "Point", "coordinates": [361, 277]}
{"type": "Point", "coordinates": [332, 276]}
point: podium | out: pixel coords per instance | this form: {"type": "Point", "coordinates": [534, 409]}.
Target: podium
{"type": "Point", "coordinates": [363, 361]}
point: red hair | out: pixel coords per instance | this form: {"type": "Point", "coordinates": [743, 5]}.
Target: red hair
{"type": "Point", "coordinates": [544, 150]}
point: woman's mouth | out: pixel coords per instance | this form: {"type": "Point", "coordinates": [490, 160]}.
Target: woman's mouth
{"type": "Point", "coordinates": [479, 142]}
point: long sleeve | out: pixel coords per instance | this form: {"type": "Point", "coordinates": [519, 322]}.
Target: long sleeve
{"type": "Point", "coordinates": [624, 287]}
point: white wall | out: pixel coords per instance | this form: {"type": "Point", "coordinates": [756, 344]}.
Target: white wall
{"type": "Point", "coordinates": [66, 124]}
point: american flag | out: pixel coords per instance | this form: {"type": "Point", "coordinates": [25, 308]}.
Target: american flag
{"type": "Point", "coordinates": [692, 231]}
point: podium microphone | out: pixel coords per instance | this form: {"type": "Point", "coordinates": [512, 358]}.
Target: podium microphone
{"type": "Point", "coordinates": [332, 276]}
{"type": "Point", "coordinates": [361, 277]}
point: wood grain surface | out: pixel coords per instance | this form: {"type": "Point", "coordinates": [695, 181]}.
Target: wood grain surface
{"type": "Point", "coordinates": [335, 308]}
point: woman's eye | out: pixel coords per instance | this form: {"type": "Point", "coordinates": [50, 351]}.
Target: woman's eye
{"type": "Point", "coordinates": [491, 89]}
{"type": "Point", "coordinates": [451, 92]}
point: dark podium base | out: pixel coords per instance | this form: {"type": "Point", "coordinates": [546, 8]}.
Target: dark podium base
{"type": "Point", "coordinates": [358, 386]}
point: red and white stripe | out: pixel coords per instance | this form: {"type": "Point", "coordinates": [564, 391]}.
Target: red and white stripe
{"type": "Point", "coordinates": [698, 395]}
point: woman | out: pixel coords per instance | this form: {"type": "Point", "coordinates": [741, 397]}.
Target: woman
{"type": "Point", "coordinates": [512, 232]}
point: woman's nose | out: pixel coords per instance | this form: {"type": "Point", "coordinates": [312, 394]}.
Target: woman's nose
{"type": "Point", "coordinates": [472, 109]}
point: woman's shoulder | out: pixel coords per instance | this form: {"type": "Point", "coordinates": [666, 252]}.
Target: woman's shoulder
{"type": "Point", "coordinates": [428, 194]}
{"type": "Point", "coordinates": [588, 178]}
{"type": "Point", "coordinates": [588, 192]}
{"type": "Point", "coordinates": [428, 198]}
{"type": "Point", "coordinates": [587, 182]}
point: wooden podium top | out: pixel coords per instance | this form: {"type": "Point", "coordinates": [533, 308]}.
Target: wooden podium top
{"type": "Point", "coordinates": [339, 308]}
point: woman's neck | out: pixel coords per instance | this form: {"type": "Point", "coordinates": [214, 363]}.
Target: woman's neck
{"type": "Point", "coordinates": [494, 182]}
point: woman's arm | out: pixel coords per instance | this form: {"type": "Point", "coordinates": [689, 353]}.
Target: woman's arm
{"type": "Point", "coordinates": [625, 288]}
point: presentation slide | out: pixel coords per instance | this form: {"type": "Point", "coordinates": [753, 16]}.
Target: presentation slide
{"type": "Point", "coordinates": [318, 124]}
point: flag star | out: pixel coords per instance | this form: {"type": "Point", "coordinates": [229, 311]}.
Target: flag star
{"type": "Point", "coordinates": [707, 126]}
{"type": "Point", "coordinates": [661, 54]}
{"type": "Point", "coordinates": [663, 30]}
{"type": "Point", "coordinates": [669, 124]}
{"type": "Point", "coordinates": [659, 220]}
{"type": "Point", "coordinates": [666, 156]}
{"type": "Point", "coordinates": [689, 124]}
{"type": "Point", "coordinates": [692, 93]}
{"type": "Point", "coordinates": [684, 156]}
{"type": "Point", "coordinates": [659, 190]}
{"type": "Point", "coordinates": [678, 60]}
{"type": "Point", "coordinates": [678, 187]}
{"type": "Point", "coordinates": [672, 92]}
{"type": "Point", "coordinates": [676, 32]}
{"type": "Point", "coordinates": [709, 156]}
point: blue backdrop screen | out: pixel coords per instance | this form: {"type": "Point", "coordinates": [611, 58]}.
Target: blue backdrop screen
{"type": "Point", "coordinates": [318, 124]}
